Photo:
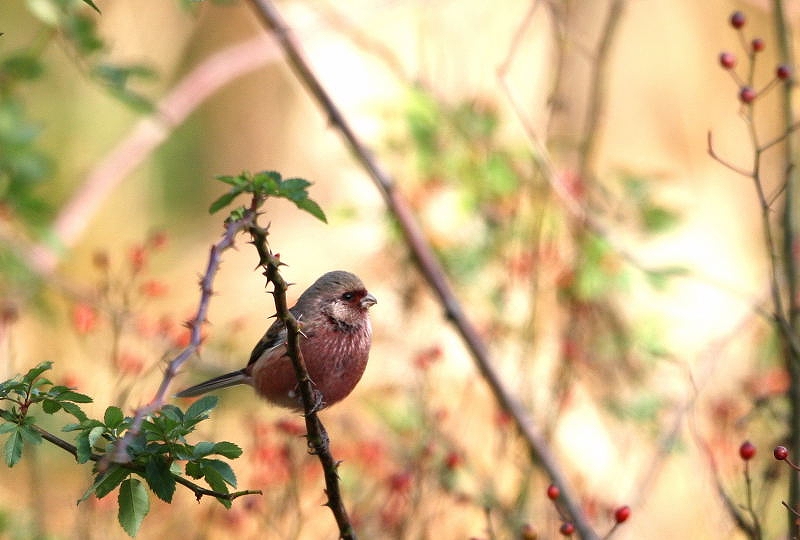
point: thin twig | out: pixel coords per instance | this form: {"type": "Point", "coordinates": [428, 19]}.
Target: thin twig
{"type": "Point", "coordinates": [232, 228]}
{"type": "Point", "coordinates": [428, 264]}
{"type": "Point", "coordinates": [725, 163]}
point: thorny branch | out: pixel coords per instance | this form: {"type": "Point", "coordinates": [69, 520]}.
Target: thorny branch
{"type": "Point", "coordinates": [195, 324]}
{"type": "Point", "coordinates": [318, 441]}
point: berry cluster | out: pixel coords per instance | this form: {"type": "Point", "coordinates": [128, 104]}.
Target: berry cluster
{"type": "Point", "coordinates": [728, 61]}
{"type": "Point", "coordinates": [620, 514]}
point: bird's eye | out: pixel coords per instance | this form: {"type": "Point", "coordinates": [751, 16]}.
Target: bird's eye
{"type": "Point", "coordinates": [348, 296]}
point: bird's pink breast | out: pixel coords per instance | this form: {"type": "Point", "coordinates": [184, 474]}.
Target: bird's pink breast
{"type": "Point", "coordinates": [335, 360]}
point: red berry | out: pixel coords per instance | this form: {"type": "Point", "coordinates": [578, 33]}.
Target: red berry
{"type": "Point", "coordinates": [758, 45]}
{"type": "Point", "coordinates": [553, 492]}
{"type": "Point", "coordinates": [622, 514]}
{"type": "Point", "coordinates": [738, 19]}
{"type": "Point", "coordinates": [727, 60]}
{"type": "Point", "coordinates": [780, 453]}
{"type": "Point", "coordinates": [747, 450]}
{"type": "Point", "coordinates": [747, 94]}
{"type": "Point", "coordinates": [783, 72]}
{"type": "Point", "coordinates": [567, 529]}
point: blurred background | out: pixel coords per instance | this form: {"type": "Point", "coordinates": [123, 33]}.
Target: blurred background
{"type": "Point", "coordinates": [554, 152]}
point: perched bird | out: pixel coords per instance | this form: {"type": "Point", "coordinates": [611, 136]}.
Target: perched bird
{"type": "Point", "coordinates": [335, 341]}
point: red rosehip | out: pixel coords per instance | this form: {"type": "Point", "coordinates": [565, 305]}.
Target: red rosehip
{"type": "Point", "coordinates": [738, 19]}
{"type": "Point", "coordinates": [553, 492]}
{"type": "Point", "coordinates": [758, 45]}
{"type": "Point", "coordinates": [622, 514]}
{"type": "Point", "coordinates": [783, 72]}
{"type": "Point", "coordinates": [727, 60]}
{"type": "Point", "coordinates": [780, 453]}
{"type": "Point", "coordinates": [747, 450]}
{"type": "Point", "coordinates": [567, 529]}
{"type": "Point", "coordinates": [747, 94]}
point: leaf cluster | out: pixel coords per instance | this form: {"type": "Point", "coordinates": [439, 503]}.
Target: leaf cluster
{"type": "Point", "coordinates": [267, 184]}
{"type": "Point", "coordinates": [159, 458]}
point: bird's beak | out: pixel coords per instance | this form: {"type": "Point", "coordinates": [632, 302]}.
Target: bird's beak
{"type": "Point", "coordinates": [368, 301]}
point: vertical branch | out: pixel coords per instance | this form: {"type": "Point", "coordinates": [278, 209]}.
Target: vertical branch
{"type": "Point", "coordinates": [318, 441]}
{"type": "Point", "coordinates": [595, 112]}
{"type": "Point", "coordinates": [790, 223]}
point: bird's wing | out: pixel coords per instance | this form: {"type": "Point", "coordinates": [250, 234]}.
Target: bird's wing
{"type": "Point", "coordinates": [274, 337]}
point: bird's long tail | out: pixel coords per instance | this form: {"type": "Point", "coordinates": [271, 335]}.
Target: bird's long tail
{"type": "Point", "coordinates": [223, 381]}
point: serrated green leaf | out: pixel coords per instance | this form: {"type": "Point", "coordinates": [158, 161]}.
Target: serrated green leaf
{"type": "Point", "coordinates": [194, 470]}
{"type": "Point", "coordinates": [223, 201]}
{"type": "Point", "coordinates": [216, 481]}
{"type": "Point", "coordinates": [199, 409]}
{"type": "Point", "coordinates": [74, 410]}
{"type": "Point", "coordinates": [113, 417]}
{"type": "Point", "coordinates": [159, 478]}
{"type": "Point", "coordinates": [30, 435]}
{"type": "Point", "coordinates": [227, 449]}
{"type": "Point", "coordinates": [202, 449]}
{"type": "Point", "coordinates": [33, 373]}
{"type": "Point", "coordinates": [105, 483]}
{"type": "Point", "coordinates": [12, 450]}
{"type": "Point", "coordinates": [220, 467]}
{"type": "Point", "coordinates": [83, 448]}
{"type": "Point", "coordinates": [51, 406]}
{"type": "Point", "coordinates": [266, 182]}
{"type": "Point", "coordinates": [134, 504]}
{"type": "Point", "coordinates": [312, 208]}
{"type": "Point", "coordinates": [232, 180]}
{"type": "Point", "coordinates": [74, 397]}
{"type": "Point", "coordinates": [6, 427]}
{"type": "Point", "coordinates": [294, 188]}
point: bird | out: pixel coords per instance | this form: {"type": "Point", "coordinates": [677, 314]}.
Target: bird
{"type": "Point", "coordinates": [335, 340]}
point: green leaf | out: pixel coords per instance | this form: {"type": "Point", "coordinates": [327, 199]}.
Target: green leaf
{"type": "Point", "coordinates": [312, 208]}
{"type": "Point", "coordinates": [51, 406]}
{"type": "Point", "coordinates": [75, 397]}
{"type": "Point", "coordinates": [133, 505]}
{"type": "Point", "coordinates": [33, 373]}
{"type": "Point", "coordinates": [74, 410]}
{"type": "Point", "coordinates": [106, 482]}
{"type": "Point", "coordinates": [199, 409]}
{"type": "Point", "coordinates": [657, 219]}
{"type": "Point", "coordinates": [110, 480]}
{"type": "Point", "coordinates": [12, 450]}
{"type": "Point", "coordinates": [224, 470]}
{"type": "Point", "coordinates": [202, 449]}
{"type": "Point", "coordinates": [227, 449]}
{"type": "Point", "coordinates": [159, 477]}
{"type": "Point", "coordinates": [113, 417]}
{"type": "Point", "coordinates": [223, 201]}
{"type": "Point", "coordinates": [22, 66]}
